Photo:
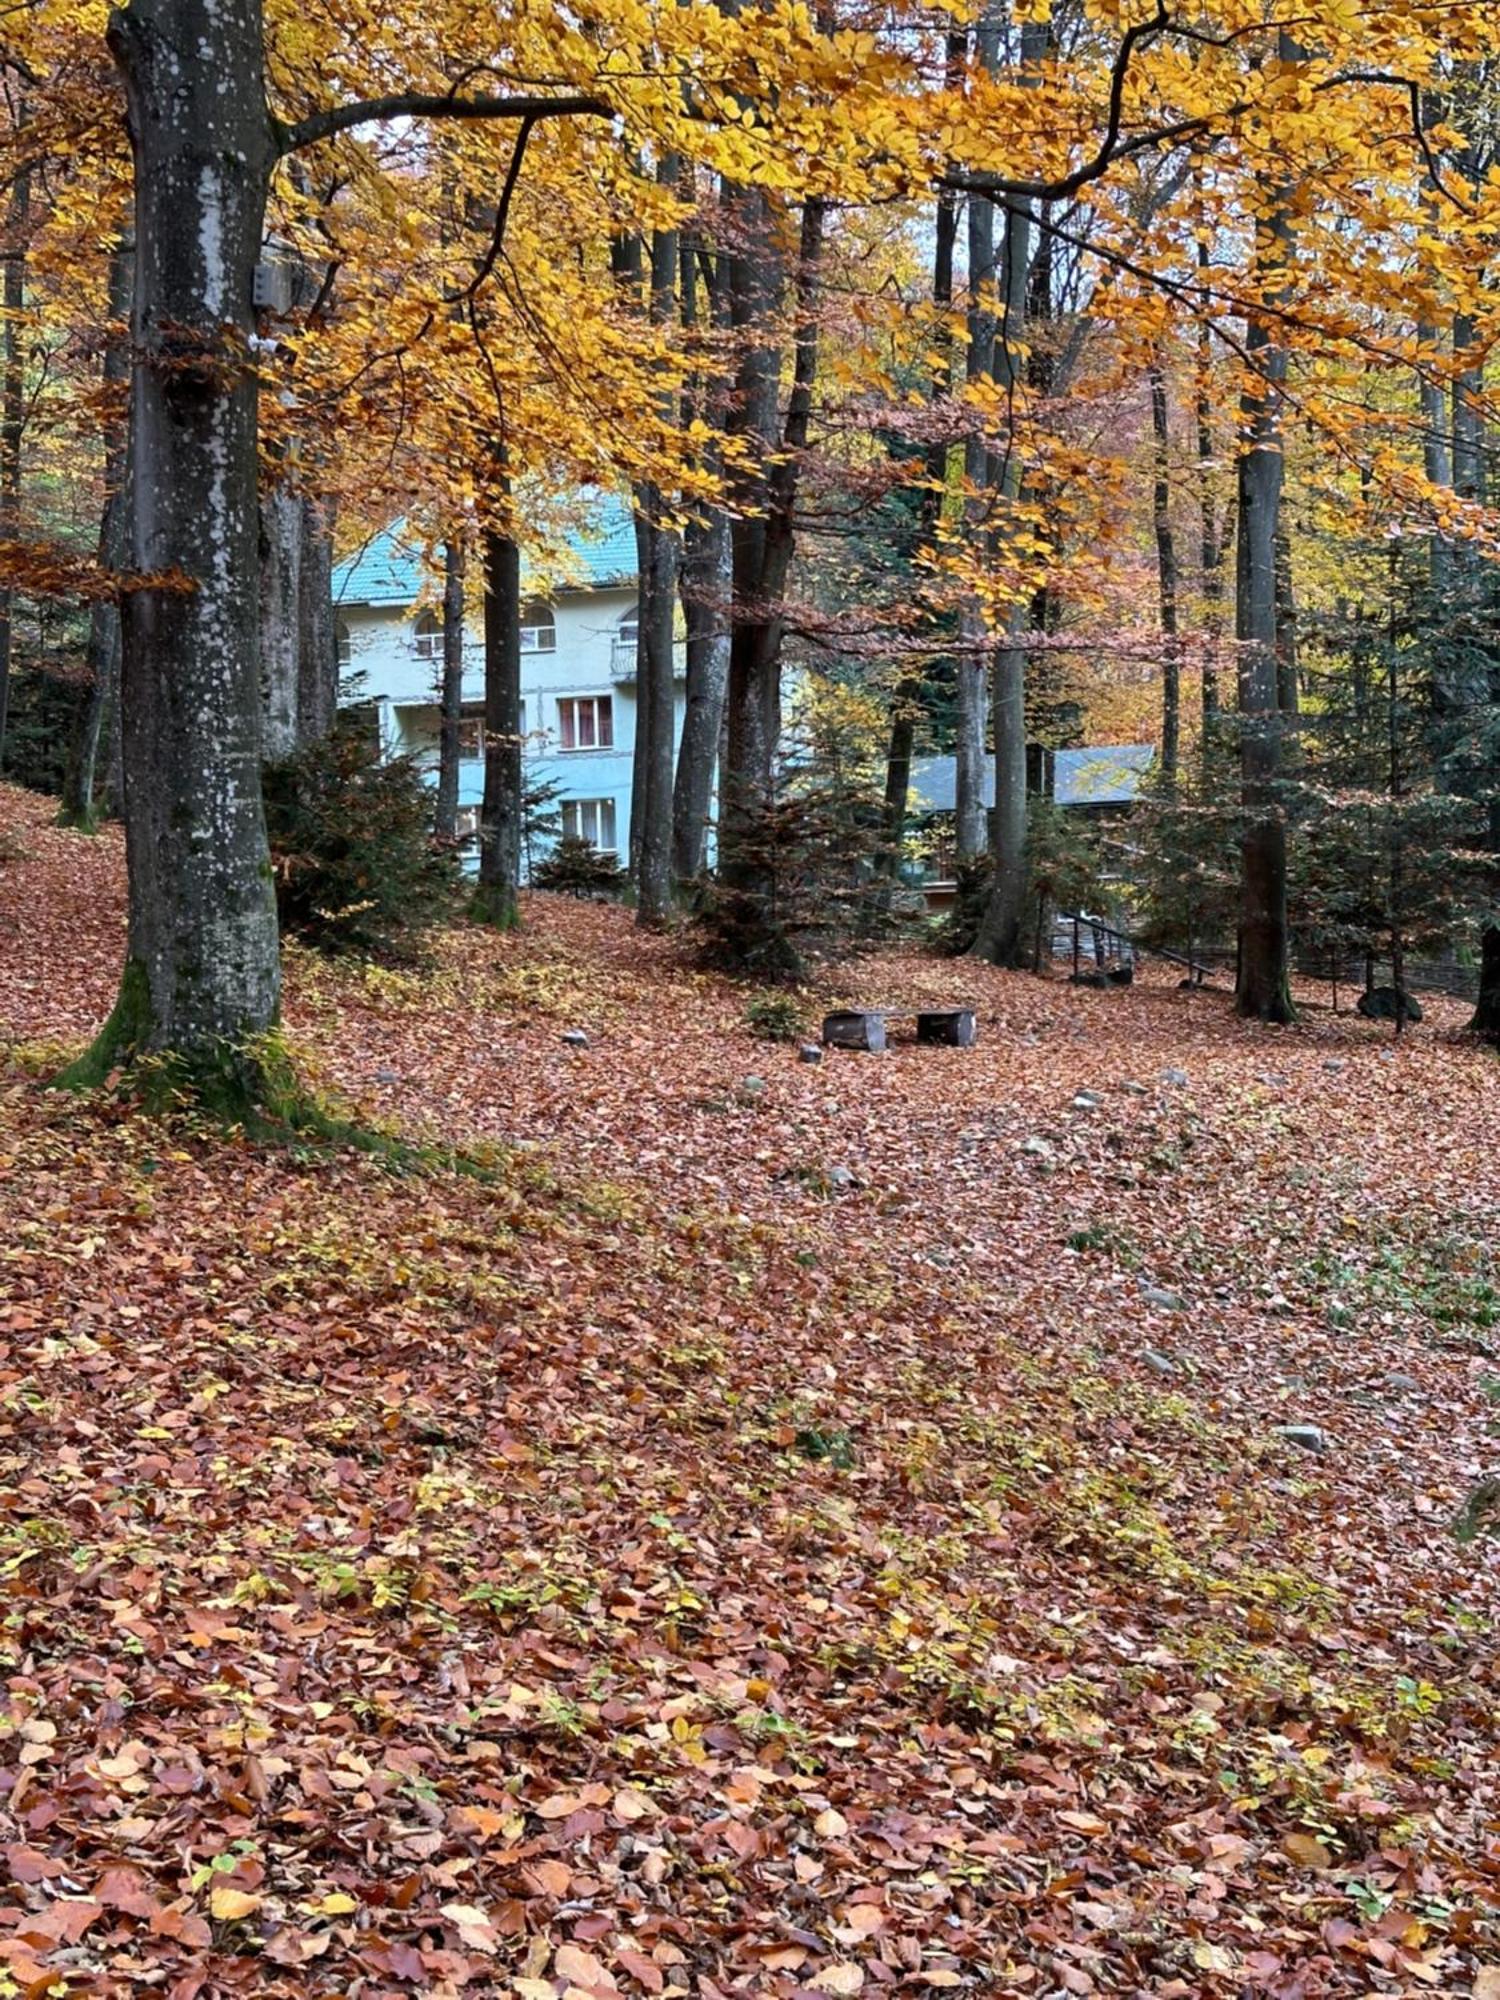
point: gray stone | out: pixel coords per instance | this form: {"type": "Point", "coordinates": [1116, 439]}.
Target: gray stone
{"type": "Point", "coordinates": [1333, 1065]}
{"type": "Point", "coordinates": [809, 1052]}
{"type": "Point", "coordinates": [1087, 1101]}
{"type": "Point", "coordinates": [1163, 1300]}
{"type": "Point", "coordinates": [575, 1038]}
{"type": "Point", "coordinates": [752, 1086]}
{"type": "Point", "coordinates": [1157, 1362]}
{"type": "Point", "coordinates": [1387, 1003]}
{"type": "Point", "coordinates": [1036, 1149]}
{"type": "Point", "coordinates": [1308, 1437]}
{"type": "Point", "coordinates": [1403, 1385]}
{"type": "Point", "coordinates": [1272, 1079]}
{"type": "Point", "coordinates": [841, 1177]}
{"type": "Point", "coordinates": [1176, 1079]}
{"type": "Point", "coordinates": [1136, 1089]}
{"type": "Point", "coordinates": [387, 1076]}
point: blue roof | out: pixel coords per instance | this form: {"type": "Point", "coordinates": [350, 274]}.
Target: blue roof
{"type": "Point", "coordinates": [598, 554]}
{"type": "Point", "coordinates": [1110, 774]}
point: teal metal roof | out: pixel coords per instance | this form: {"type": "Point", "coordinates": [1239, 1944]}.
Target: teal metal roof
{"type": "Point", "coordinates": [388, 569]}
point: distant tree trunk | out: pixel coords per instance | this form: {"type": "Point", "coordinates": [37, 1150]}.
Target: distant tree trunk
{"type": "Point", "coordinates": [973, 661]}
{"type": "Point", "coordinates": [1262, 988]}
{"type": "Point", "coordinates": [318, 646]}
{"type": "Point", "coordinates": [1210, 531]}
{"type": "Point", "coordinates": [12, 415]}
{"type": "Point", "coordinates": [202, 975]}
{"type": "Point", "coordinates": [102, 701]}
{"type": "Point", "coordinates": [763, 546]}
{"type": "Point", "coordinates": [707, 580]}
{"type": "Point", "coordinates": [496, 900]}
{"type": "Point", "coordinates": [451, 697]}
{"type": "Point", "coordinates": [280, 618]}
{"type": "Point", "coordinates": [656, 683]}
{"type": "Point", "coordinates": [906, 704]}
{"type": "Point", "coordinates": [1468, 689]}
{"type": "Point", "coordinates": [705, 585]}
{"type": "Point", "coordinates": [1166, 577]}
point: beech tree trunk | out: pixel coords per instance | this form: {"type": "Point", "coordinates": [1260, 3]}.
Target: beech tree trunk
{"type": "Point", "coordinates": [101, 707]}
{"type": "Point", "coordinates": [1262, 989]}
{"type": "Point", "coordinates": [656, 692]}
{"type": "Point", "coordinates": [497, 898]}
{"type": "Point", "coordinates": [202, 975]}
{"type": "Point", "coordinates": [971, 674]}
{"type": "Point", "coordinates": [1166, 578]}
{"type": "Point", "coordinates": [12, 415]}
{"type": "Point", "coordinates": [280, 619]}
{"type": "Point", "coordinates": [451, 697]}
{"type": "Point", "coordinates": [318, 646]}
{"type": "Point", "coordinates": [1210, 530]}
{"type": "Point", "coordinates": [706, 583]}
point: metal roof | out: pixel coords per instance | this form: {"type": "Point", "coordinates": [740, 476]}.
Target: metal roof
{"type": "Point", "coordinates": [599, 554]}
{"type": "Point", "coordinates": [1108, 774]}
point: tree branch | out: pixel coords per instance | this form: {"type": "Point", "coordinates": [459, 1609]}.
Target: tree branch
{"type": "Point", "coordinates": [418, 104]}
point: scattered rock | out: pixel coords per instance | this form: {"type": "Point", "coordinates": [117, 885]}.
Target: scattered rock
{"type": "Point", "coordinates": [575, 1038]}
{"type": "Point", "coordinates": [842, 1177]}
{"type": "Point", "coordinates": [1157, 1362]}
{"type": "Point", "coordinates": [1175, 1079]}
{"type": "Point", "coordinates": [1086, 1100]}
{"type": "Point", "coordinates": [387, 1076]}
{"type": "Point", "coordinates": [1272, 1079]}
{"type": "Point", "coordinates": [1403, 1385]}
{"type": "Point", "coordinates": [1163, 1300]}
{"type": "Point", "coordinates": [1136, 1089]}
{"type": "Point", "coordinates": [1307, 1437]}
{"type": "Point", "coordinates": [1334, 1064]}
{"type": "Point", "coordinates": [809, 1052]}
{"type": "Point", "coordinates": [752, 1086]}
{"type": "Point", "coordinates": [1036, 1149]}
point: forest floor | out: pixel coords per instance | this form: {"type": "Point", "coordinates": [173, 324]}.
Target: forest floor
{"type": "Point", "coordinates": [787, 1530]}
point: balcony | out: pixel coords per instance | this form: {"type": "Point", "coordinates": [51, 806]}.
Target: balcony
{"type": "Point", "coordinates": [622, 660]}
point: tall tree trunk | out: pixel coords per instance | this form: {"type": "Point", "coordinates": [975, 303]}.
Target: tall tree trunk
{"type": "Point", "coordinates": [906, 704]}
{"type": "Point", "coordinates": [318, 646]}
{"type": "Point", "coordinates": [972, 670]}
{"type": "Point", "coordinates": [707, 580]}
{"type": "Point", "coordinates": [999, 938]}
{"type": "Point", "coordinates": [102, 701]}
{"type": "Point", "coordinates": [451, 698]}
{"type": "Point", "coordinates": [1210, 529]}
{"type": "Point", "coordinates": [1166, 577]}
{"type": "Point", "coordinates": [12, 415]}
{"type": "Point", "coordinates": [202, 975]}
{"type": "Point", "coordinates": [656, 690]}
{"type": "Point", "coordinates": [763, 547]}
{"type": "Point", "coordinates": [496, 900]}
{"type": "Point", "coordinates": [1262, 989]}
{"type": "Point", "coordinates": [280, 618]}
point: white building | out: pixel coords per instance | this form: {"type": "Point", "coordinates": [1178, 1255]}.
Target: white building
{"type": "Point", "coordinates": [578, 661]}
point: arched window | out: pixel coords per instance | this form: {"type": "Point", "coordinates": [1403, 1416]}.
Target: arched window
{"type": "Point", "coordinates": [538, 627]}
{"type": "Point", "coordinates": [629, 627]}
{"type": "Point", "coordinates": [343, 644]}
{"type": "Point", "coordinates": [429, 640]}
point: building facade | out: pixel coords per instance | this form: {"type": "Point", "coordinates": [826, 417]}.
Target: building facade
{"type": "Point", "coordinates": [578, 671]}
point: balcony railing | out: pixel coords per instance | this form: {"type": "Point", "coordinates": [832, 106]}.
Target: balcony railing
{"type": "Point", "coordinates": [622, 660]}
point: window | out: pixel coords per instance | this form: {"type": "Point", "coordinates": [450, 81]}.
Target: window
{"type": "Point", "coordinates": [538, 628]}
{"type": "Point", "coordinates": [343, 644]}
{"type": "Point", "coordinates": [429, 639]}
{"type": "Point", "coordinates": [466, 825]}
{"type": "Point", "coordinates": [587, 722]}
{"type": "Point", "coordinates": [471, 733]}
{"type": "Point", "coordinates": [627, 633]}
{"type": "Point", "coordinates": [592, 820]}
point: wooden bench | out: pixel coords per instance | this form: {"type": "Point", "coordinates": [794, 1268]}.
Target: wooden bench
{"type": "Point", "coordinates": [865, 1027]}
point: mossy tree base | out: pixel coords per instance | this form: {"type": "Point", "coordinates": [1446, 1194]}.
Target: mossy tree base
{"type": "Point", "coordinates": [495, 904]}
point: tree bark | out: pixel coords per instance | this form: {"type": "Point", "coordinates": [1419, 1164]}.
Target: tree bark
{"type": "Point", "coordinates": [280, 619]}
{"type": "Point", "coordinates": [707, 580]}
{"type": "Point", "coordinates": [450, 705]}
{"type": "Point", "coordinates": [971, 674]}
{"type": "Point", "coordinates": [1210, 530]}
{"type": "Point", "coordinates": [318, 645]}
{"type": "Point", "coordinates": [101, 706]}
{"type": "Point", "coordinates": [1262, 989]}
{"type": "Point", "coordinates": [1166, 578]}
{"type": "Point", "coordinates": [497, 898]}
{"type": "Point", "coordinates": [202, 977]}
{"type": "Point", "coordinates": [656, 692]}
{"type": "Point", "coordinates": [12, 415]}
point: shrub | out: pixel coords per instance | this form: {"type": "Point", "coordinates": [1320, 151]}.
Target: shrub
{"type": "Point", "coordinates": [43, 717]}
{"type": "Point", "coordinates": [774, 1017]}
{"type": "Point", "coordinates": [577, 868]}
{"type": "Point", "coordinates": [357, 869]}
